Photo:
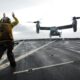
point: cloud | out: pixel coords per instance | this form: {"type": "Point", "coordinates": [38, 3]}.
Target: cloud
{"type": "Point", "coordinates": [11, 5]}
{"type": "Point", "coordinates": [49, 12]}
{"type": "Point", "coordinates": [28, 32]}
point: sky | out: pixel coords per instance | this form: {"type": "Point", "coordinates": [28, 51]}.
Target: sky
{"type": "Point", "coordinates": [49, 12]}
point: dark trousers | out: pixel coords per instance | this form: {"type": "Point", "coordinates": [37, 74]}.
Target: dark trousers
{"type": "Point", "coordinates": [7, 46]}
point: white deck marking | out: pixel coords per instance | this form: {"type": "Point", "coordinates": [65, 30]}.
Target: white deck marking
{"type": "Point", "coordinates": [74, 46]}
{"type": "Point", "coordinates": [78, 42]}
{"type": "Point", "coordinates": [3, 58]}
{"type": "Point", "coordinates": [73, 50]}
{"type": "Point", "coordinates": [18, 45]}
{"type": "Point", "coordinates": [25, 55]}
{"type": "Point", "coordinates": [44, 67]}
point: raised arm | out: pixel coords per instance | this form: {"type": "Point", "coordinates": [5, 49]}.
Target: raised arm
{"type": "Point", "coordinates": [4, 15]}
{"type": "Point", "coordinates": [15, 22]}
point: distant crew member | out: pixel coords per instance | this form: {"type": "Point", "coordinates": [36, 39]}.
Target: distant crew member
{"type": "Point", "coordinates": [37, 26]}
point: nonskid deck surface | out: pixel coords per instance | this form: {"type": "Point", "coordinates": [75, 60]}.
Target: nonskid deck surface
{"type": "Point", "coordinates": [44, 60]}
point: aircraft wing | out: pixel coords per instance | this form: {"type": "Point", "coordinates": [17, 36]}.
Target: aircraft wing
{"type": "Point", "coordinates": [44, 28]}
{"type": "Point", "coordinates": [64, 27]}
{"type": "Point", "coordinates": [59, 27]}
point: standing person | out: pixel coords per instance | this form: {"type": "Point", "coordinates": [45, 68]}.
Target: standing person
{"type": "Point", "coordinates": [37, 26]}
{"type": "Point", "coordinates": [6, 38]}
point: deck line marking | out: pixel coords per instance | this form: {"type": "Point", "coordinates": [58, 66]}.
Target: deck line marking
{"type": "Point", "coordinates": [25, 55]}
{"type": "Point", "coordinates": [73, 50]}
{"type": "Point", "coordinates": [44, 67]}
{"type": "Point", "coordinates": [31, 52]}
{"type": "Point", "coordinates": [18, 45]}
{"type": "Point", "coordinates": [78, 42]}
